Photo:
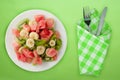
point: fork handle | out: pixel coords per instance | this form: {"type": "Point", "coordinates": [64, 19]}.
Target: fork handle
{"type": "Point", "coordinates": [88, 28]}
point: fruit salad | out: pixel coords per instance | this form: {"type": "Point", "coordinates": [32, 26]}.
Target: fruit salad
{"type": "Point", "coordinates": [36, 40]}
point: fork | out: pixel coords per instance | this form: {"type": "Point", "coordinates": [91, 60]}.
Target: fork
{"type": "Point", "coordinates": [86, 15]}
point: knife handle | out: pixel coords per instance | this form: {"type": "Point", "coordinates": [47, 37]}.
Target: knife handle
{"type": "Point", "coordinates": [101, 23]}
{"type": "Point", "coordinates": [99, 28]}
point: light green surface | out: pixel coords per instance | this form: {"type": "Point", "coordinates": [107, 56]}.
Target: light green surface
{"type": "Point", "coordinates": [69, 12]}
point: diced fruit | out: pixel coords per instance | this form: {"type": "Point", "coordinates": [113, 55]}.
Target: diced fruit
{"type": "Point", "coordinates": [57, 34]}
{"type": "Point", "coordinates": [37, 60]}
{"type": "Point", "coordinates": [24, 33]}
{"type": "Point", "coordinates": [55, 57]}
{"type": "Point", "coordinates": [46, 34]}
{"type": "Point", "coordinates": [42, 24]}
{"type": "Point", "coordinates": [29, 60]}
{"type": "Point", "coordinates": [18, 55]}
{"type": "Point", "coordinates": [37, 29]}
{"type": "Point", "coordinates": [30, 43]}
{"type": "Point", "coordinates": [50, 23]}
{"type": "Point", "coordinates": [16, 32]}
{"type": "Point", "coordinates": [35, 53]}
{"type": "Point", "coordinates": [50, 52]}
{"type": "Point", "coordinates": [23, 58]}
{"type": "Point", "coordinates": [26, 27]}
{"type": "Point", "coordinates": [39, 17]}
{"type": "Point", "coordinates": [34, 35]}
{"type": "Point", "coordinates": [36, 40]}
{"type": "Point", "coordinates": [33, 25]}
{"type": "Point", "coordinates": [52, 43]}
{"type": "Point", "coordinates": [16, 46]}
{"type": "Point", "coordinates": [28, 53]}
{"type": "Point", "coordinates": [40, 50]}
{"type": "Point", "coordinates": [20, 49]}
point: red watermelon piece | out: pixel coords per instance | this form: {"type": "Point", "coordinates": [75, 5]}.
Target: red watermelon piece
{"type": "Point", "coordinates": [50, 23]}
{"type": "Point", "coordinates": [55, 57]}
{"type": "Point", "coordinates": [57, 34]}
{"type": "Point", "coordinates": [51, 52]}
{"type": "Point", "coordinates": [16, 46]}
{"type": "Point", "coordinates": [41, 25]}
{"type": "Point", "coordinates": [37, 60]}
{"type": "Point", "coordinates": [18, 55]}
{"type": "Point", "coordinates": [23, 58]}
{"type": "Point", "coordinates": [28, 53]}
{"type": "Point", "coordinates": [29, 60]}
{"type": "Point", "coordinates": [37, 29]}
{"type": "Point", "coordinates": [16, 32]}
{"type": "Point", "coordinates": [35, 53]}
{"type": "Point", "coordinates": [26, 27]}
{"type": "Point", "coordinates": [46, 34]}
{"type": "Point", "coordinates": [39, 17]}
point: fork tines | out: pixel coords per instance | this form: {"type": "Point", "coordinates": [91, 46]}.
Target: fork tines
{"type": "Point", "coordinates": [86, 15]}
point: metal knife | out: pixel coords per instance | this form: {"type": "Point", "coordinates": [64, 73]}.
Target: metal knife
{"type": "Point", "coordinates": [102, 17]}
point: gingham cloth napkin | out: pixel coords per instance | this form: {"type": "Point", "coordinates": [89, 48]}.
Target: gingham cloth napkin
{"type": "Point", "coordinates": [92, 50]}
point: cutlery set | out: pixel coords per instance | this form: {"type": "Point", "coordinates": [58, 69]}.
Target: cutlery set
{"type": "Point", "coordinates": [87, 19]}
{"type": "Point", "coordinates": [92, 50]}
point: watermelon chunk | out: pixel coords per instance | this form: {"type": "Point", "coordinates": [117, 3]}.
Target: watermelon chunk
{"type": "Point", "coordinates": [57, 34]}
{"type": "Point", "coordinates": [16, 46]}
{"type": "Point", "coordinates": [51, 52]}
{"type": "Point", "coordinates": [46, 34]}
{"type": "Point", "coordinates": [35, 53]}
{"type": "Point", "coordinates": [26, 27]}
{"type": "Point", "coordinates": [37, 60]}
{"type": "Point", "coordinates": [16, 32]}
{"type": "Point", "coordinates": [50, 23]}
{"type": "Point", "coordinates": [39, 17]}
{"type": "Point", "coordinates": [29, 60]}
{"type": "Point", "coordinates": [28, 53]}
{"type": "Point", "coordinates": [18, 55]}
{"type": "Point", "coordinates": [41, 25]}
{"type": "Point", "coordinates": [23, 58]}
{"type": "Point", "coordinates": [55, 57]}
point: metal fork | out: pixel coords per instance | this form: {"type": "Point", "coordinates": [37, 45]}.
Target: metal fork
{"type": "Point", "coordinates": [86, 15]}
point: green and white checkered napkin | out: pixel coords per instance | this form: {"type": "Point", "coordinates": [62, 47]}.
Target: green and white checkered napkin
{"type": "Point", "coordinates": [91, 49]}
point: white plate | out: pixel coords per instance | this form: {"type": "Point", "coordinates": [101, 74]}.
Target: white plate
{"type": "Point", "coordinates": [10, 38]}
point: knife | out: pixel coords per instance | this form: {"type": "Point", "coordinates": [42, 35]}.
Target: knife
{"type": "Point", "coordinates": [102, 17]}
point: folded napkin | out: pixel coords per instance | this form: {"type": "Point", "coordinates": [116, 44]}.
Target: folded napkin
{"type": "Point", "coordinates": [92, 49]}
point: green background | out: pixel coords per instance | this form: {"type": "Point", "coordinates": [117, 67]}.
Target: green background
{"type": "Point", "coordinates": [69, 12]}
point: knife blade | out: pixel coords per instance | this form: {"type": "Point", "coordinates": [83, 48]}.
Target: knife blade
{"type": "Point", "coordinates": [101, 22]}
